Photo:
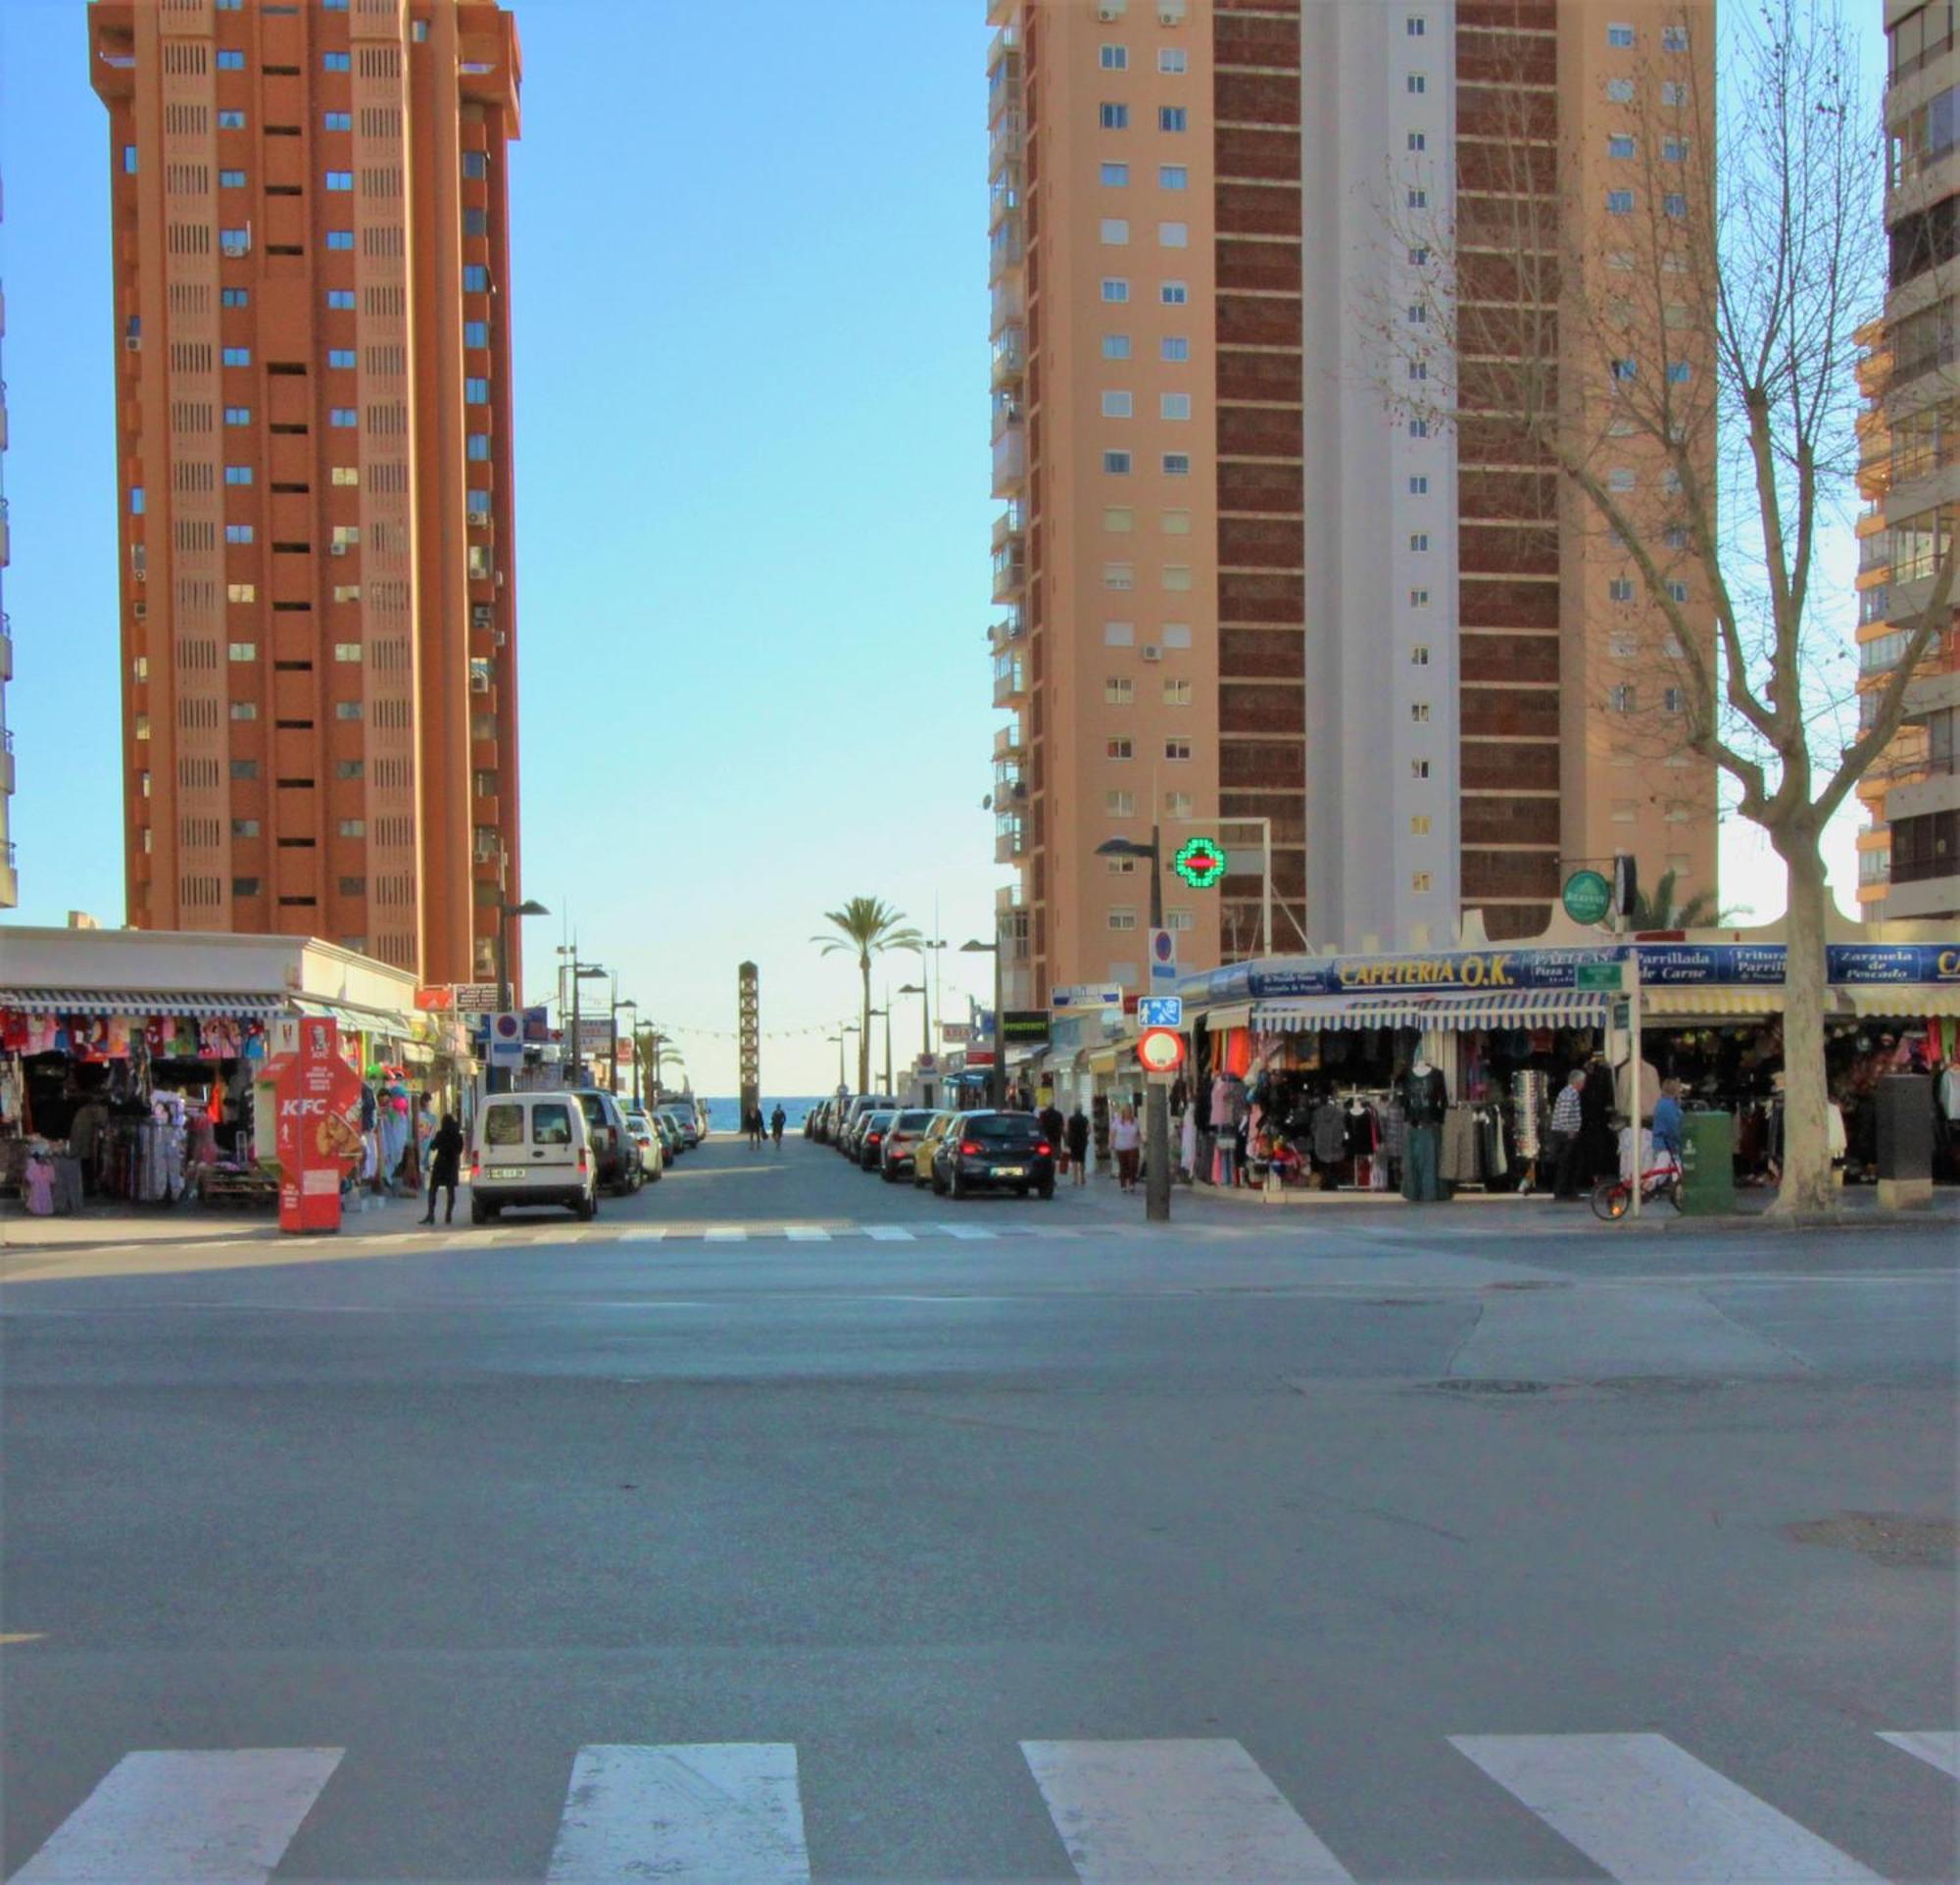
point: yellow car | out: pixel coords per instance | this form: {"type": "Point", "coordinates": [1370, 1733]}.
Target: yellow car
{"type": "Point", "coordinates": [922, 1153]}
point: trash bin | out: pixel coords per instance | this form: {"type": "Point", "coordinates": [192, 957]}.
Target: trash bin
{"type": "Point", "coordinates": [1905, 1141]}
{"type": "Point", "coordinates": [1708, 1164]}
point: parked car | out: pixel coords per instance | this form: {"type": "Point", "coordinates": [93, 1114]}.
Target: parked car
{"type": "Point", "coordinates": [652, 1152]}
{"type": "Point", "coordinates": [618, 1158]}
{"type": "Point", "coordinates": [991, 1151]}
{"type": "Point", "coordinates": [871, 1137]}
{"type": "Point", "coordinates": [686, 1120]}
{"type": "Point", "coordinates": [814, 1121]}
{"type": "Point", "coordinates": [859, 1109]}
{"type": "Point", "coordinates": [902, 1137]}
{"type": "Point", "coordinates": [927, 1148]}
{"type": "Point", "coordinates": [532, 1149]}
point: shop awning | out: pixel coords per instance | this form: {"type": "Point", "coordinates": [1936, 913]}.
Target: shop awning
{"type": "Point", "coordinates": [1217, 1019]}
{"type": "Point", "coordinates": [366, 1020]}
{"type": "Point", "coordinates": [1453, 1009]}
{"type": "Point", "coordinates": [1709, 1003]}
{"type": "Point", "coordinates": [1901, 1002]}
{"type": "Point", "coordinates": [142, 1000]}
{"type": "Point", "coordinates": [1867, 1001]}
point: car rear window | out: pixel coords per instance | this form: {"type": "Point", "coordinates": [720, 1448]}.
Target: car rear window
{"type": "Point", "coordinates": [879, 1120]}
{"type": "Point", "coordinates": [1005, 1128]}
{"type": "Point", "coordinates": [503, 1126]}
{"type": "Point", "coordinates": [912, 1121]}
{"type": "Point", "coordinates": [595, 1110]}
{"type": "Point", "coordinates": [551, 1123]}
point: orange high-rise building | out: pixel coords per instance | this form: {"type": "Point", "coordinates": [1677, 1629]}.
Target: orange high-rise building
{"type": "Point", "coordinates": [313, 410]}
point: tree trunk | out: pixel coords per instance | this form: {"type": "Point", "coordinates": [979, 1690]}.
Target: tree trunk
{"type": "Point", "coordinates": [1806, 1184]}
{"type": "Point", "coordinates": [864, 1027]}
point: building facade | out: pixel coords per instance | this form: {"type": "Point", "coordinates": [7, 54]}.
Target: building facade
{"type": "Point", "coordinates": [1239, 596]}
{"type": "Point", "coordinates": [10, 882]}
{"type": "Point", "coordinates": [312, 396]}
{"type": "Point", "coordinates": [1909, 853]}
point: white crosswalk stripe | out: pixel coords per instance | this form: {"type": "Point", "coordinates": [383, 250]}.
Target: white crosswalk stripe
{"type": "Point", "coordinates": [967, 1233]}
{"type": "Point", "coordinates": [1648, 1812]}
{"type": "Point", "coordinates": [726, 1234]}
{"type": "Point", "coordinates": [887, 1233]}
{"type": "Point", "coordinates": [1198, 1812]}
{"type": "Point", "coordinates": [643, 1234]}
{"type": "Point", "coordinates": [208, 1817]}
{"type": "Point", "coordinates": [719, 1813]}
{"type": "Point", "coordinates": [807, 1234]}
{"type": "Point", "coordinates": [1935, 1746]}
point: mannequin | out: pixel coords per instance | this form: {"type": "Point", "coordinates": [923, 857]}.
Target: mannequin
{"type": "Point", "coordinates": [1425, 1098]}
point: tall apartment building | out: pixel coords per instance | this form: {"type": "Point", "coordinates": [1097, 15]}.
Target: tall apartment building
{"type": "Point", "coordinates": [10, 883]}
{"type": "Point", "coordinates": [313, 407]}
{"type": "Point", "coordinates": [1235, 587]}
{"type": "Point", "coordinates": [1909, 855]}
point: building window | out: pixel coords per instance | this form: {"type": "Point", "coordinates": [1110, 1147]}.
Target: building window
{"type": "Point", "coordinates": [476, 165]}
{"type": "Point", "coordinates": [346, 416]}
{"type": "Point", "coordinates": [1620, 589]}
{"type": "Point", "coordinates": [1179, 920]}
{"type": "Point", "coordinates": [1674, 38]}
{"type": "Point", "coordinates": [1619, 145]}
{"type": "Point", "coordinates": [1623, 697]}
{"type": "Point", "coordinates": [1674, 150]}
{"type": "Point", "coordinates": [1419, 654]}
{"type": "Point", "coordinates": [1419, 880]}
{"type": "Point", "coordinates": [1174, 404]}
{"type": "Point", "coordinates": [229, 60]}
{"type": "Point", "coordinates": [1419, 826]}
{"type": "Point", "coordinates": [1418, 199]}
{"type": "Point", "coordinates": [1177, 464]}
{"type": "Point", "coordinates": [347, 651]}
{"type": "Point", "coordinates": [1174, 235]}
{"type": "Point", "coordinates": [340, 299]}
{"type": "Point", "coordinates": [1676, 591]}
{"type": "Point", "coordinates": [1619, 202]}
{"type": "Point", "coordinates": [1119, 749]}
{"type": "Point", "coordinates": [347, 710]}
{"type": "Point", "coordinates": [231, 121]}
{"type": "Point", "coordinates": [477, 446]}
{"type": "Point", "coordinates": [1418, 598]}
{"type": "Point", "coordinates": [1117, 691]}
{"type": "Point", "coordinates": [1115, 346]}
{"type": "Point", "coordinates": [1119, 805]}
{"type": "Point", "coordinates": [244, 768]}
{"type": "Point", "coordinates": [1115, 176]}
{"type": "Point", "coordinates": [1174, 177]}
{"type": "Point", "coordinates": [1419, 484]}
{"type": "Point", "coordinates": [477, 392]}
{"type": "Point", "coordinates": [244, 886]}
{"type": "Point", "coordinates": [1114, 118]}
{"type": "Point", "coordinates": [243, 651]}
{"type": "Point", "coordinates": [1174, 294]}
{"type": "Point", "coordinates": [1119, 635]}
{"type": "Point", "coordinates": [1419, 710]}
{"type": "Point", "coordinates": [235, 357]}
{"type": "Point", "coordinates": [1113, 58]}
{"type": "Point", "coordinates": [347, 592]}
{"type": "Point", "coordinates": [1679, 373]}
{"type": "Point", "coordinates": [230, 179]}
{"type": "Point", "coordinates": [477, 333]}
{"type": "Point", "coordinates": [238, 474]}
{"type": "Point", "coordinates": [1172, 60]}
{"type": "Point", "coordinates": [241, 593]}
{"type": "Point", "coordinates": [340, 180]}
{"type": "Point", "coordinates": [238, 533]}
{"type": "Point", "coordinates": [1172, 117]}
{"type": "Point", "coordinates": [1674, 204]}
{"type": "Point", "coordinates": [1416, 84]}
{"type": "Point", "coordinates": [1619, 34]}
{"type": "Point", "coordinates": [346, 475]}
{"type": "Point", "coordinates": [1177, 693]}
{"type": "Point", "coordinates": [340, 121]}
{"type": "Point", "coordinates": [1116, 464]}
{"type": "Point", "coordinates": [341, 359]}
{"type": "Point", "coordinates": [335, 62]}
{"type": "Point", "coordinates": [1418, 539]}
{"type": "Point", "coordinates": [1119, 517]}
{"type": "Point", "coordinates": [1179, 749]}
{"type": "Point", "coordinates": [1177, 575]}
{"type": "Point", "coordinates": [340, 238]}
{"type": "Point", "coordinates": [475, 278]}
{"type": "Point", "coordinates": [244, 710]}
{"type": "Point", "coordinates": [1123, 918]}
{"type": "Point", "coordinates": [1120, 576]}
{"type": "Point", "coordinates": [1174, 348]}
{"type": "Point", "coordinates": [1418, 769]}
{"type": "Point", "coordinates": [1673, 92]}
{"type": "Point", "coordinates": [1176, 524]}
{"type": "Point", "coordinates": [1115, 288]}
{"type": "Point", "coordinates": [136, 500]}
{"type": "Point", "coordinates": [1415, 26]}
{"type": "Point", "coordinates": [244, 827]}
{"type": "Point", "coordinates": [1114, 232]}
{"type": "Point", "coordinates": [1620, 479]}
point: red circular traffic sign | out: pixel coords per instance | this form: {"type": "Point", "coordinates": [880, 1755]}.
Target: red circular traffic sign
{"type": "Point", "coordinates": [1160, 1049]}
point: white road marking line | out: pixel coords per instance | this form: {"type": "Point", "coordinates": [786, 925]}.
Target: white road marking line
{"type": "Point", "coordinates": [807, 1233]}
{"type": "Point", "coordinates": [1198, 1812]}
{"type": "Point", "coordinates": [643, 1234]}
{"type": "Point", "coordinates": [719, 1813]}
{"type": "Point", "coordinates": [1936, 1747]}
{"type": "Point", "coordinates": [207, 1817]}
{"type": "Point", "coordinates": [726, 1234]}
{"type": "Point", "coordinates": [967, 1233]}
{"type": "Point", "coordinates": [1645, 1809]}
{"type": "Point", "coordinates": [887, 1233]}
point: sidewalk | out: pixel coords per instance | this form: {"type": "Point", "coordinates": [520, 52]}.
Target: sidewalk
{"type": "Point", "coordinates": [123, 1225]}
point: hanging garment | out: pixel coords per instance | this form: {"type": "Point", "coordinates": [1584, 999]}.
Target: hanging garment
{"type": "Point", "coordinates": [1460, 1164]}
{"type": "Point", "coordinates": [1358, 1124]}
{"type": "Point", "coordinates": [1425, 1097]}
{"type": "Point", "coordinates": [1330, 1132]}
{"type": "Point", "coordinates": [1421, 1181]}
{"type": "Point", "coordinates": [40, 1185]}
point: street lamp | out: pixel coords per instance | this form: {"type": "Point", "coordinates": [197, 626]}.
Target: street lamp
{"type": "Point", "coordinates": [925, 1014]}
{"type": "Point", "coordinates": [498, 1076]}
{"type": "Point", "coordinates": [1157, 1101]}
{"type": "Point", "coordinates": [844, 1079]}
{"type": "Point", "coordinates": [874, 1014]}
{"type": "Point", "coordinates": [996, 1076]}
{"type": "Point", "coordinates": [580, 973]}
{"type": "Point", "coordinates": [837, 1041]}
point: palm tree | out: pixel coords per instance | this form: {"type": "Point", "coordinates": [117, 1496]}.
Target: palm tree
{"type": "Point", "coordinates": [1660, 911]}
{"type": "Point", "coordinates": [866, 927]}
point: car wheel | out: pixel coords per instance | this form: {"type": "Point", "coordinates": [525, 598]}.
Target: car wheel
{"type": "Point", "coordinates": [587, 1208]}
{"type": "Point", "coordinates": [479, 1211]}
{"type": "Point", "coordinates": [938, 1184]}
{"type": "Point", "coordinates": [1045, 1191]}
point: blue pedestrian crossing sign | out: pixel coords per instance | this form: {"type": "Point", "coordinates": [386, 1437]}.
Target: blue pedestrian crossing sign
{"type": "Point", "coordinates": [1161, 1011]}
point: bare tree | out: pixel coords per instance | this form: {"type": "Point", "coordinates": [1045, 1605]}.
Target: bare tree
{"type": "Point", "coordinates": [1633, 329]}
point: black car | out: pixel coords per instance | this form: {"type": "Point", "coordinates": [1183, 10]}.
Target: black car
{"type": "Point", "coordinates": [612, 1147]}
{"type": "Point", "coordinates": [993, 1152]}
{"type": "Point", "coordinates": [870, 1143]}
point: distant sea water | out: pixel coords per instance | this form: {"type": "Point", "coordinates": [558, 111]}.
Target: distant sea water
{"type": "Point", "coordinates": [726, 1115]}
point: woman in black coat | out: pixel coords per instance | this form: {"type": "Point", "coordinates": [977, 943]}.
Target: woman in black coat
{"type": "Point", "coordinates": [445, 1166]}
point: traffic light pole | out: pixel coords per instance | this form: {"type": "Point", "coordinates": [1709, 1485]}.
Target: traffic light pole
{"type": "Point", "coordinates": [1157, 1095]}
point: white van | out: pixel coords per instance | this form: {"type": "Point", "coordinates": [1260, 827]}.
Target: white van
{"type": "Point", "coordinates": [532, 1149]}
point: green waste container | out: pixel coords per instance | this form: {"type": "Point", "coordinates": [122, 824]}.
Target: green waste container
{"type": "Point", "coordinates": [1708, 1163]}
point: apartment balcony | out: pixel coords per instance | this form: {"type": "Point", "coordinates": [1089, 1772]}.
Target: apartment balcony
{"type": "Point", "coordinates": [1006, 247]}
{"type": "Point", "coordinates": [1004, 72]}
{"type": "Point", "coordinates": [1010, 838]}
{"type": "Point", "coordinates": [1007, 632]}
{"type": "Point", "coordinates": [1011, 680]}
{"type": "Point", "coordinates": [1007, 742]}
{"type": "Point", "coordinates": [1003, 192]}
{"type": "Point", "coordinates": [1010, 304]}
{"type": "Point", "coordinates": [6, 649]}
{"type": "Point", "coordinates": [1010, 459]}
{"type": "Point", "coordinates": [6, 759]}
{"type": "Point", "coordinates": [1005, 142]}
{"type": "Point", "coordinates": [1010, 574]}
{"type": "Point", "coordinates": [1009, 360]}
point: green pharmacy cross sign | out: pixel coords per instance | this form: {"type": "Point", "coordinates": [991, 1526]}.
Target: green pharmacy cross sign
{"type": "Point", "coordinates": [1201, 863]}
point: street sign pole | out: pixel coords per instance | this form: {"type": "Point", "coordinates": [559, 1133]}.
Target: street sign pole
{"type": "Point", "coordinates": [1633, 1083]}
{"type": "Point", "coordinates": [1156, 1098]}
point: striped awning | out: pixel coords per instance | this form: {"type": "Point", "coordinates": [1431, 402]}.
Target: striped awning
{"type": "Point", "coordinates": [1446, 1009]}
{"type": "Point", "coordinates": [1709, 1003]}
{"type": "Point", "coordinates": [142, 1001]}
{"type": "Point", "coordinates": [1902, 1002]}
{"type": "Point", "coordinates": [1237, 1015]}
{"type": "Point", "coordinates": [366, 1020]}
{"type": "Point", "coordinates": [1867, 1001]}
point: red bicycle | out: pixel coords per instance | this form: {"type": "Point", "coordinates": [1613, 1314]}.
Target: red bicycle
{"type": "Point", "coordinates": [1613, 1198]}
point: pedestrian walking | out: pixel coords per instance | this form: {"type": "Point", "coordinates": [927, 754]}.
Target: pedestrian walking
{"type": "Point", "coordinates": [445, 1167]}
{"type": "Point", "coordinates": [1078, 1144]}
{"type": "Point", "coordinates": [1127, 1143]}
{"type": "Point", "coordinates": [1567, 1121]}
{"type": "Point", "coordinates": [776, 1120]}
{"type": "Point", "coordinates": [1054, 1127]}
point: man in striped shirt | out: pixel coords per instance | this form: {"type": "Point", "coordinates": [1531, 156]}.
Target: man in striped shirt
{"type": "Point", "coordinates": [1565, 1126]}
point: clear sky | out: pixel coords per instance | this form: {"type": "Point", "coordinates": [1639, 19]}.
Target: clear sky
{"type": "Point", "coordinates": [750, 316]}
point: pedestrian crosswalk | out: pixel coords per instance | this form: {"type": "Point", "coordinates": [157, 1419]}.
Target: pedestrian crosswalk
{"type": "Point", "coordinates": [522, 1233]}
{"type": "Point", "coordinates": [1633, 1807]}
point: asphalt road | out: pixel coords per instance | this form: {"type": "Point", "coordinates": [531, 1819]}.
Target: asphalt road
{"type": "Point", "coordinates": [786, 1525]}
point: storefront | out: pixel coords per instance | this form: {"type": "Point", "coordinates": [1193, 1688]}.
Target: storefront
{"type": "Point", "coordinates": [135, 1064]}
{"type": "Point", "coordinates": [1308, 1059]}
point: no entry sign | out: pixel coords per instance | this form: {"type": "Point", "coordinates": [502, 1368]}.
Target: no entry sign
{"type": "Point", "coordinates": [1160, 1049]}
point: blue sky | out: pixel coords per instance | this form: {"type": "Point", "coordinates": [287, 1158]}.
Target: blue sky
{"type": "Point", "coordinates": [750, 312]}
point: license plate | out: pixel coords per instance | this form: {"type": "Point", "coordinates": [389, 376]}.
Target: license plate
{"type": "Point", "coordinates": [505, 1171]}
{"type": "Point", "coordinates": [1010, 1171]}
